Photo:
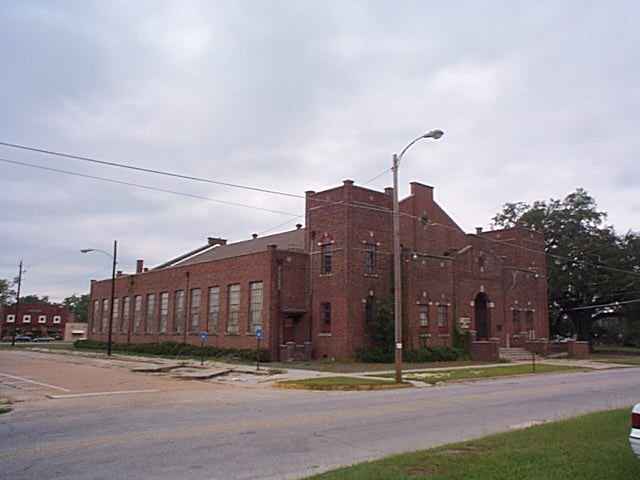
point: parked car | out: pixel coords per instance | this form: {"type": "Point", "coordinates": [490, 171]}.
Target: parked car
{"type": "Point", "coordinates": [634, 437]}
{"type": "Point", "coordinates": [44, 339]}
{"type": "Point", "coordinates": [23, 338]}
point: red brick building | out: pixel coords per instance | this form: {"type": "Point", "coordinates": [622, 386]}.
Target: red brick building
{"type": "Point", "coordinates": [35, 320]}
{"type": "Point", "coordinates": [318, 285]}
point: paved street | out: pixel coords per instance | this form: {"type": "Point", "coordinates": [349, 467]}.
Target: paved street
{"type": "Point", "coordinates": [200, 430]}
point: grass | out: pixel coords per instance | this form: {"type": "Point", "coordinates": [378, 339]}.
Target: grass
{"type": "Point", "coordinates": [616, 349]}
{"type": "Point", "coordinates": [340, 383]}
{"type": "Point", "coordinates": [590, 447]}
{"type": "Point", "coordinates": [622, 360]}
{"type": "Point", "coordinates": [358, 367]}
{"type": "Point", "coordinates": [481, 373]}
{"type": "Point", "coordinates": [4, 406]}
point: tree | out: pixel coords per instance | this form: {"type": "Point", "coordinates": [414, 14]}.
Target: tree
{"type": "Point", "coordinates": [34, 299]}
{"type": "Point", "coordinates": [6, 292]}
{"type": "Point", "coordinates": [79, 305]}
{"type": "Point", "coordinates": [581, 248]}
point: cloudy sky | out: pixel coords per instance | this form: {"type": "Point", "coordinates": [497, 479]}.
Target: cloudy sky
{"type": "Point", "coordinates": [536, 99]}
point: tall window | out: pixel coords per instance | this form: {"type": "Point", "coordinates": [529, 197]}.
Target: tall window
{"type": "Point", "coordinates": [96, 316]}
{"type": "Point", "coordinates": [196, 298]}
{"type": "Point", "coordinates": [516, 321]}
{"type": "Point", "coordinates": [214, 309]}
{"type": "Point", "coordinates": [164, 311]}
{"type": "Point", "coordinates": [326, 255]}
{"type": "Point", "coordinates": [443, 316]}
{"type": "Point", "coordinates": [116, 313]}
{"type": "Point", "coordinates": [105, 315]}
{"type": "Point", "coordinates": [178, 318]}
{"type": "Point", "coordinates": [325, 317]}
{"type": "Point", "coordinates": [137, 313]}
{"type": "Point", "coordinates": [423, 314]}
{"type": "Point", "coordinates": [126, 314]}
{"type": "Point", "coordinates": [370, 254]}
{"type": "Point", "coordinates": [255, 306]}
{"type": "Point", "coordinates": [233, 319]}
{"type": "Point", "coordinates": [150, 324]}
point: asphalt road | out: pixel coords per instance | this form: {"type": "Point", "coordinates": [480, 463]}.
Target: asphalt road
{"type": "Point", "coordinates": [223, 432]}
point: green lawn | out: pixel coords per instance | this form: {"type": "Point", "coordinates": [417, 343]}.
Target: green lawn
{"type": "Point", "coordinates": [622, 359]}
{"type": "Point", "coordinates": [340, 383]}
{"type": "Point", "coordinates": [358, 367]}
{"type": "Point", "coordinates": [591, 447]}
{"type": "Point", "coordinates": [480, 373]}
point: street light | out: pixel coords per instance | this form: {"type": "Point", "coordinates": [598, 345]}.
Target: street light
{"type": "Point", "coordinates": [397, 279]}
{"type": "Point", "coordinates": [113, 285]}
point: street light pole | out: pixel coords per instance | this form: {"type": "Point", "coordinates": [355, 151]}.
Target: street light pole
{"type": "Point", "coordinates": [114, 257]}
{"type": "Point", "coordinates": [397, 254]}
{"type": "Point", "coordinates": [113, 294]}
{"type": "Point", "coordinates": [16, 319]}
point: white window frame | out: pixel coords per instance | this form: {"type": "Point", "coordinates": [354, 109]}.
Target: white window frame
{"type": "Point", "coordinates": [57, 319]}
{"type": "Point", "coordinates": [42, 319]}
{"type": "Point", "coordinates": [11, 318]}
{"type": "Point", "coordinates": [26, 318]}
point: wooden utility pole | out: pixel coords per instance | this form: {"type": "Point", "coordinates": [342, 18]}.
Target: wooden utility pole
{"type": "Point", "coordinates": [15, 321]}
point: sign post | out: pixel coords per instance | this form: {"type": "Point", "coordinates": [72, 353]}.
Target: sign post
{"type": "Point", "coordinates": [258, 338]}
{"type": "Point", "coordinates": [203, 339]}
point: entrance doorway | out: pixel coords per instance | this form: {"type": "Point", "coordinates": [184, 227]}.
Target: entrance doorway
{"type": "Point", "coordinates": [482, 316]}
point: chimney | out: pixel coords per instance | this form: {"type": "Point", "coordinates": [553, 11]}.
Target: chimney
{"type": "Point", "coordinates": [298, 226]}
{"type": "Point", "coordinates": [145, 269]}
{"type": "Point", "coordinates": [119, 273]}
{"type": "Point", "coordinates": [422, 191]}
{"type": "Point", "coordinates": [478, 230]}
{"type": "Point", "coordinates": [216, 241]}
{"type": "Point", "coordinates": [254, 235]}
{"type": "Point", "coordinates": [347, 183]}
{"type": "Point", "coordinates": [139, 265]}
{"type": "Point", "coordinates": [388, 191]}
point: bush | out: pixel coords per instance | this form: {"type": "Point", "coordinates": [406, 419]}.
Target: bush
{"type": "Point", "coordinates": [174, 349]}
{"type": "Point", "coordinates": [421, 355]}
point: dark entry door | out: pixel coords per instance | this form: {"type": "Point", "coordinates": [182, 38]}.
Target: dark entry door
{"type": "Point", "coordinates": [482, 316]}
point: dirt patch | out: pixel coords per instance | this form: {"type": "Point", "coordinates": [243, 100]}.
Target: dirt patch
{"type": "Point", "coordinates": [341, 388]}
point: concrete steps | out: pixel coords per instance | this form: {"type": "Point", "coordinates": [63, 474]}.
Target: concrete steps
{"type": "Point", "coordinates": [516, 354]}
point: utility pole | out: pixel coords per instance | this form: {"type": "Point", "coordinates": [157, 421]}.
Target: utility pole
{"type": "Point", "coordinates": [397, 254]}
{"type": "Point", "coordinates": [15, 322]}
{"type": "Point", "coordinates": [113, 294]}
{"type": "Point", "coordinates": [397, 277]}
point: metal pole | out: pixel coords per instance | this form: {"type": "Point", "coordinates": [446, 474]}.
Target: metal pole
{"type": "Point", "coordinates": [15, 322]}
{"type": "Point", "coordinates": [113, 294]}
{"type": "Point", "coordinates": [397, 279]}
{"type": "Point", "coordinates": [258, 353]}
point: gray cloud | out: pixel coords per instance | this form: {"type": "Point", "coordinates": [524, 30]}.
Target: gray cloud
{"type": "Point", "coordinates": [536, 100]}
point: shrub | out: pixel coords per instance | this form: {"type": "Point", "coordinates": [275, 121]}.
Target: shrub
{"type": "Point", "coordinates": [421, 355]}
{"type": "Point", "coordinates": [174, 349]}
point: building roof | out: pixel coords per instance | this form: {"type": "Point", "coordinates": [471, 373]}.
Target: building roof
{"type": "Point", "coordinates": [291, 240]}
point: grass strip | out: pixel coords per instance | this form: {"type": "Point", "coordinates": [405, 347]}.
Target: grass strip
{"type": "Point", "coordinates": [590, 447]}
{"type": "Point", "coordinates": [340, 383]}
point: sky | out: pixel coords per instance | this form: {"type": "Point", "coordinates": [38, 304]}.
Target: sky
{"type": "Point", "coordinates": [535, 99]}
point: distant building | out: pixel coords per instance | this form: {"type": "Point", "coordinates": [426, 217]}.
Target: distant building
{"type": "Point", "coordinates": [75, 331]}
{"type": "Point", "coordinates": [317, 286]}
{"type": "Point", "coordinates": [35, 319]}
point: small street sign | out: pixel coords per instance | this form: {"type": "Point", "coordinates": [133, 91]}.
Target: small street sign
{"type": "Point", "coordinates": [259, 332]}
{"type": "Point", "coordinates": [204, 336]}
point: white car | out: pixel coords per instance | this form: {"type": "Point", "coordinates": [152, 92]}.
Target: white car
{"type": "Point", "coordinates": [634, 437]}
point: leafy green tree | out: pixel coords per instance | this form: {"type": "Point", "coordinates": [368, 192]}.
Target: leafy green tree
{"type": "Point", "coordinates": [6, 292]}
{"type": "Point", "coordinates": [79, 305]}
{"type": "Point", "coordinates": [586, 259]}
{"type": "Point", "coordinates": [34, 299]}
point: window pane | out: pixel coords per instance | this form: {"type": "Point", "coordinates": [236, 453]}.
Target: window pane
{"type": "Point", "coordinates": [178, 319]}
{"type": "Point", "coordinates": [326, 259]}
{"type": "Point", "coordinates": [214, 309]}
{"type": "Point", "coordinates": [370, 258]}
{"type": "Point", "coordinates": [325, 316]}
{"type": "Point", "coordinates": [137, 314]}
{"type": "Point", "coordinates": [424, 315]}
{"type": "Point", "coordinates": [151, 313]}
{"type": "Point", "coordinates": [164, 311]}
{"type": "Point", "coordinates": [233, 320]}
{"type": "Point", "coordinates": [443, 316]}
{"type": "Point", "coordinates": [255, 306]}
{"type": "Point", "coordinates": [96, 316]}
{"type": "Point", "coordinates": [195, 310]}
{"type": "Point", "coordinates": [105, 315]}
{"type": "Point", "coordinates": [126, 312]}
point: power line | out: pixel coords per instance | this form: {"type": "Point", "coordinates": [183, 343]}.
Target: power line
{"type": "Point", "coordinates": [612, 304]}
{"type": "Point", "coordinates": [146, 187]}
{"type": "Point", "coordinates": [384, 172]}
{"type": "Point", "coordinates": [147, 170]}
{"type": "Point", "coordinates": [258, 189]}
